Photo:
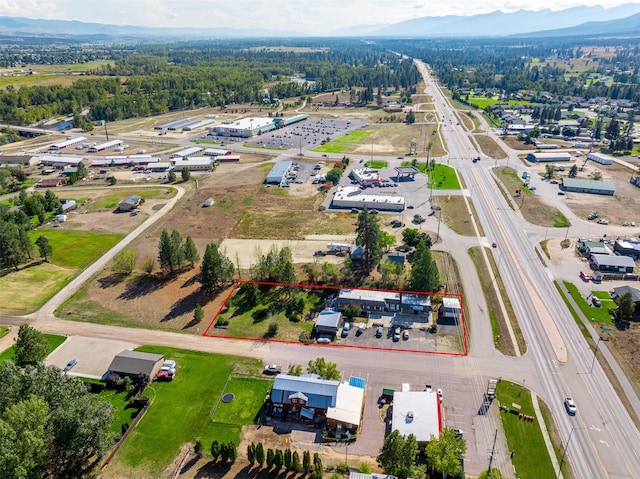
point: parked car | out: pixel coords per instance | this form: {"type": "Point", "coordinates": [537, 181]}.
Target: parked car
{"type": "Point", "coordinates": [584, 276]}
{"type": "Point", "coordinates": [320, 253]}
{"type": "Point", "coordinates": [272, 369]}
{"type": "Point", "coordinates": [596, 302]}
{"type": "Point", "coordinates": [602, 221]}
{"type": "Point", "coordinates": [494, 245]}
{"type": "Point", "coordinates": [458, 432]}
{"type": "Point", "coordinates": [570, 406]}
{"type": "Point", "coordinates": [345, 329]}
{"type": "Point", "coordinates": [70, 365]}
{"type": "Point", "coordinates": [561, 193]}
{"type": "Point", "coordinates": [396, 333]}
{"type": "Point", "coordinates": [323, 340]}
{"type": "Point", "coordinates": [405, 334]}
{"type": "Point", "coordinates": [379, 332]}
{"type": "Point", "coordinates": [440, 394]}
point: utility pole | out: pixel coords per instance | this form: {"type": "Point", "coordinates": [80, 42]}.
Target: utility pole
{"type": "Point", "coordinates": [493, 449]}
{"type": "Point", "coordinates": [105, 129]}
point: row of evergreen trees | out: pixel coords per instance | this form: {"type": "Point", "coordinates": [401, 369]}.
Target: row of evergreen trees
{"type": "Point", "coordinates": [288, 459]}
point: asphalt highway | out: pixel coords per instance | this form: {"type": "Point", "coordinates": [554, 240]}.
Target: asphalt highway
{"type": "Point", "coordinates": [603, 441]}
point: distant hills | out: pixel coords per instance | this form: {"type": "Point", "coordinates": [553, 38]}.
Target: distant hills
{"type": "Point", "coordinates": [621, 20]}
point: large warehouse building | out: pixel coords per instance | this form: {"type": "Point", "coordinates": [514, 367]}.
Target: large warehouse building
{"type": "Point", "coordinates": [578, 185]}
{"type": "Point", "coordinates": [61, 145]}
{"type": "Point", "coordinates": [353, 197]}
{"type": "Point", "coordinates": [548, 157]}
{"type": "Point", "coordinates": [278, 172]}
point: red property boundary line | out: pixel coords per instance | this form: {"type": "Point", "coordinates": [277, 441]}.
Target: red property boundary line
{"type": "Point", "coordinates": [314, 286]}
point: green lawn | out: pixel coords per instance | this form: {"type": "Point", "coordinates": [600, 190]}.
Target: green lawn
{"type": "Point", "coordinates": [77, 249]}
{"type": "Point", "coordinates": [340, 144]}
{"type": "Point", "coordinates": [53, 341]}
{"type": "Point", "coordinates": [593, 314]}
{"type": "Point", "coordinates": [531, 459]}
{"type": "Point", "coordinates": [3, 331]}
{"type": "Point", "coordinates": [124, 413]}
{"type": "Point", "coordinates": [482, 102]}
{"type": "Point", "coordinates": [444, 178]}
{"type": "Point", "coordinates": [377, 164]}
{"type": "Point", "coordinates": [247, 321]}
{"type": "Point", "coordinates": [181, 409]}
{"type": "Point", "coordinates": [574, 314]}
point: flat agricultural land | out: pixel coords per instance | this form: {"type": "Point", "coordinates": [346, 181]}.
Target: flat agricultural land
{"type": "Point", "coordinates": [50, 74]}
{"type": "Point", "coordinates": [188, 408]}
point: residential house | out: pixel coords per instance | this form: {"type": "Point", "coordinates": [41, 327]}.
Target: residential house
{"type": "Point", "coordinates": [622, 290]}
{"type": "Point", "coordinates": [328, 322]}
{"type": "Point", "coordinates": [129, 203]}
{"type": "Point", "coordinates": [52, 182]}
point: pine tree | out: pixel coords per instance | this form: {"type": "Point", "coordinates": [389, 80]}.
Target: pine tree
{"type": "Point", "coordinates": [44, 247]}
{"type": "Point", "coordinates": [215, 450]}
{"type": "Point", "coordinates": [232, 451]}
{"type": "Point", "coordinates": [424, 271]}
{"type": "Point", "coordinates": [165, 257]}
{"type": "Point", "coordinates": [278, 460]}
{"type": "Point", "coordinates": [295, 461]}
{"type": "Point", "coordinates": [177, 250]}
{"type": "Point", "coordinates": [270, 457]}
{"type": "Point", "coordinates": [287, 459]}
{"type": "Point", "coordinates": [251, 453]}
{"type": "Point", "coordinates": [190, 252]}
{"type": "Point", "coordinates": [260, 454]}
{"type": "Point", "coordinates": [306, 462]}
{"type": "Point", "coordinates": [368, 237]}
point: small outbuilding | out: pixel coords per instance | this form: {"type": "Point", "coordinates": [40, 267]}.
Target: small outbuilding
{"type": "Point", "coordinates": [129, 203]}
{"type": "Point", "coordinates": [132, 363]}
{"type": "Point", "coordinates": [328, 322]}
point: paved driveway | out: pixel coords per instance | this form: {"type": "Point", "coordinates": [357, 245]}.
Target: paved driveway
{"type": "Point", "coordinates": [93, 354]}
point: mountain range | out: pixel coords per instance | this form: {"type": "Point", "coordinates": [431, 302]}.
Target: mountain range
{"type": "Point", "coordinates": [621, 20]}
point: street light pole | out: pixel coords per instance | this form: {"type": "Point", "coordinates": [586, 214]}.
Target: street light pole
{"type": "Point", "coordinates": [573, 428]}
{"type": "Point", "coordinates": [595, 350]}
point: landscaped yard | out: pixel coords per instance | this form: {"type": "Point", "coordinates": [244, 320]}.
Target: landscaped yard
{"type": "Point", "coordinates": [181, 410]}
{"type": "Point", "coordinates": [377, 164]}
{"type": "Point", "coordinates": [53, 341]}
{"type": "Point", "coordinates": [444, 177]}
{"type": "Point", "coordinates": [592, 313]}
{"type": "Point", "coordinates": [531, 459]}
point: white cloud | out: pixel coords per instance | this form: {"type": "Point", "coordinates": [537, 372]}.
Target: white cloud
{"type": "Point", "coordinates": [313, 16]}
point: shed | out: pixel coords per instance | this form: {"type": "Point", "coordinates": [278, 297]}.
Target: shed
{"type": "Point", "coordinates": [129, 203]}
{"type": "Point", "coordinates": [132, 363]}
{"type": "Point", "coordinates": [328, 322]}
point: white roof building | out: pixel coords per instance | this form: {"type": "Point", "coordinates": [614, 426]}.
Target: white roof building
{"type": "Point", "coordinates": [187, 152]}
{"type": "Point", "coordinates": [48, 160]}
{"type": "Point", "coordinates": [194, 164]}
{"type": "Point", "coordinates": [68, 142]}
{"type": "Point", "coordinates": [348, 406]}
{"type": "Point", "coordinates": [417, 413]}
{"type": "Point", "coordinates": [354, 197]}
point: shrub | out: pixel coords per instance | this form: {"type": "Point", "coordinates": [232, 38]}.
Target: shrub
{"type": "Point", "coordinates": [273, 328]}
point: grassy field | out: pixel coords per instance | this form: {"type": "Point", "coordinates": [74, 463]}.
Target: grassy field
{"type": "Point", "coordinates": [111, 199]}
{"type": "Point", "coordinates": [482, 102]}
{"type": "Point", "coordinates": [444, 178]}
{"type": "Point", "coordinates": [77, 249]}
{"type": "Point", "coordinates": [50, 74]}
{"type": "Point", "coordinates": [53, 341]}
{"type": "Point", "coordinates": [181, 409]}
{"type": "Point", "coordinates": [377, 164]}
{"type": "Point", "coordinates": [342, 143]}
{"type": "Point", "coordinates": [3, 331]}
{"type": "Point", "coordinates": [26, 290]}
{"type": "Point", "coordinates": [531, 460]}
{"type": "Point", "coordinates": [489, 147]}
{"type": "Point", "coordinates": [531, 207]}
{"type": "Point", "coordinates": [248, 321]}
{"type": "Point", "coordinates": [593, 314]}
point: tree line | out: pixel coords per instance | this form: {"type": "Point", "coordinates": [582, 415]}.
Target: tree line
{"type": "Point", "coordinates": [16, 246]}
{"type": "Point", "coordinates": [50, 425]}
{"type": "Point", "coordinates": [159, 79]}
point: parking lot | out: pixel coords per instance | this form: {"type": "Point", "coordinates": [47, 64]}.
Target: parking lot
{"type": "Point", "coordinates": [307, 134]}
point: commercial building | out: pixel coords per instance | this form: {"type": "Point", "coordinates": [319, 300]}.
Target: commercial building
{"type": "Point", "coordinates": [577, 185]}
{"type": "Point", "coordinates": [160, 167]}
{"type": "Point", "coordinates": [278, 172]}
{"type": "Point", "coordinates": [175, 124]}
{"type": "Point", "coordinates": [18, 160]}
{"type": "Point", "coordinates": [548, 157]}
{"type": "Point", "coordinates": [600, 158]}
{"type": "Point", "coordinates": [384, 301]}
{"type": "Point", "coordinates": [201, 163]}
{"type": "Point", "coordinates": [194, 150]}
{"type": "Point", "coordinates": [354, 197]}
{"type": "Point", "coordinates": [196, 125]}
{"type": "Point", "coordinates": [60, 162]}
{"type": "Point", "coordinates": [245, 128]}
{"type": "Point", "coordinates": [450, 308]}
{"type": "Point", "coordinates": [216, 152]}
{"type": "Point", "coordinates": [311, 398]}
{"type": "Point", "coordinates": [417, 413]}
{"type": "Point", "coordinates": [65, 143]}
{"type": "Point", "coordinates": [366, 176]}
{"type": "Point", "coordinates": [612, 263]}
{"type": "Point", "coordinates": [628, 247]}
{"type": "Point", "coordinates": [105, 146]}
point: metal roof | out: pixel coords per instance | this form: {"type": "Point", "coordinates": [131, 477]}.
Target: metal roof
{"type": "Point", "coordinates": [328, 319]}
{"type": "Point", "coordinates": [357, 382]}
{"type": "Point", "coordinates": [622, 290]}
{"type": "Point", "coordinates": [135, 362]}
{"type": "Point", "coordinates": [368, 295]}
{"type": "Point", "coordinates": [278, 171]}
{"type": "Point", "coordinates": [613, 260]}
{"type": "Point", "coordinates": [322, 393]}
{"type": "Point", "coordinates": [588, 184]}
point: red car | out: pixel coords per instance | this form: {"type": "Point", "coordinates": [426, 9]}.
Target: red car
{"type": "Point", "coordinates": [494, 245]}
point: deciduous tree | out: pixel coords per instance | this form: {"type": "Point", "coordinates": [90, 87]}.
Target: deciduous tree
{"type": "Point", "coordinates": [124, 261]}
{"type": "Point", "coordinates": [31, 346]}
{"type": "Point", "coordinates": [398, 454]}
{"type": "Point", "coordinates": [44, 247]}
{"type": "Point", "coordinates": [444, 453]}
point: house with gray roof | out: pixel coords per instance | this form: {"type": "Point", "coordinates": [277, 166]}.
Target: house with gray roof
{"type": "Point", "coordinates": [622, 290]}
{"type": "Point", "coordinates": [328, 322]}
{"type": "Point", "coordinates": [129, 203]}
{"type": "Point", "coordinates": [628, 247]}
{"type": "Point", "coordinates": [132, 363]}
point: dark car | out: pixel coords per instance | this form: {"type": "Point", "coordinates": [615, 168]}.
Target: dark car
{"type": "Point", "coordinates": [70, 365]}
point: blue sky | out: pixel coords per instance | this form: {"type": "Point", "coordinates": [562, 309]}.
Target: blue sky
{"type": "Point", "coordinates": [309, 16]}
